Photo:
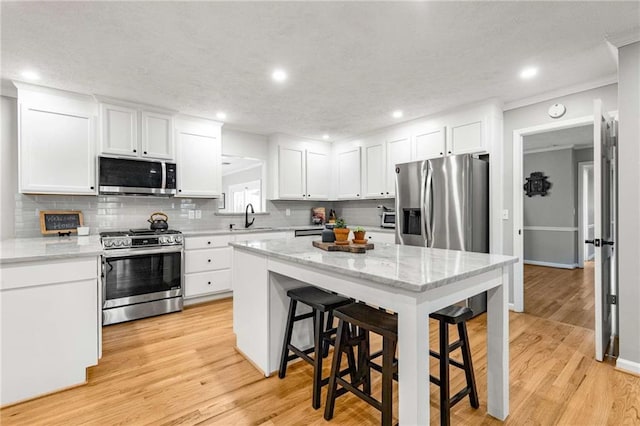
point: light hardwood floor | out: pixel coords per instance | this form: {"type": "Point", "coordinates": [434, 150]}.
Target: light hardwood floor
{"type": "Point", "coordinates": [564, 295]}
{"type": "Point", "coordinates": [182, 369]}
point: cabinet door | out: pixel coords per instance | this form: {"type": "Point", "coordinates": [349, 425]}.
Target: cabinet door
{"type": "Point", "coordinates": [466, 138]}
{"type": "Point", "coordinates": [57, 154]}
{"type": "Point", "coordinates": [374, 170]}
{"type": "Point", "coordinates": [157, 135]}
{"type": "Point", "coordinates": [318, 170]}
{"type": "Point", "coordinates": [207, 260]}
{"type": "Point", "coordinates": [203, 283]}
{"type": "Point", "coordinates": [429, 144]}
{"type": "Point", "coordinates": [398, 151]}
{"type": "Point", "coordinates": [119, 134]}
{"type": "Point", "coordinates": [381, 237]}
{"type": "Point", "coordinates": [291, 182]}
{"type": "Point", "coordinates": [349, 174]}
{"type": "Point", "coordinates": [199, 166]}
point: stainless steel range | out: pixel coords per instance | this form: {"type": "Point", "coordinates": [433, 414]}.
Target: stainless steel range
{"type": "Point", "coordinates": [141, 274]}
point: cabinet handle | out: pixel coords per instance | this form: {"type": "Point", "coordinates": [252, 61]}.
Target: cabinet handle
{"type": "Point", "coordinates": [209, 260]}
{"type": "Point", "coordinates": [135, 150]}
{"type": "Point", "coordinates": [449, 152]}
{"type": "Point", "coordinates": [209, 283]}
{"type": "Point", "coordinates": [92, 187]}
{"type": "Point", "coordinates": [209, 242]}
{"type": "Point", "coordinates": [441, 153]}
{"type": "Point", "coordinates": [357, 195]}
{"type": "Point", "coordinates": [303, 195]}
{"type": "Point", "coordinates": [145, 152]}
{"type": "Point", "coordinates": [387, 192]}
{"type": "Point", "coordinates": [382, 193]}
{"type": "Point", "coordinates": [308, 195]}
{"type": "Point", "coordinates": [179, 190]}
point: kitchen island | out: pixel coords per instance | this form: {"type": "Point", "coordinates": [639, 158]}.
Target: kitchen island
{"type": "Point", "coordinates": [412, 281]}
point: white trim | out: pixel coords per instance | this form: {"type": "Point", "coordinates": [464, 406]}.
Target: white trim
{"type": "Point", "coordinates": [549, 148]}
{"type": "Point", "coordinates": [551, 228]}
{"type": "Point", "coordinates": [623, 38]}
{"type": "Point", "coordinates": [551, 264]}
{"type": "Point", "coordinates": [611, 79]}
{"type": "Point", "coordinates": [628, 366]}
{"type": "Point", "coordinates": [583, 234]}
{"type": "Point", "coordinates": [518, 197]}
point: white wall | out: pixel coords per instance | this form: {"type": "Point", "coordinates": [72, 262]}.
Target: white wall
{"type": "Point", "coordinates": [629, 206]}
{"type": "Point", "coordinates": [243, 144]}
{"type": "Point", "coordinates": [8, 165]}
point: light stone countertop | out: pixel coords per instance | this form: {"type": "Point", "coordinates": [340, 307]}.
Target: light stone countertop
{"type": "Point", "coordinates": [411, 268]}
{"type": "Point", "coordinates": [47, 248]}
{"type": "Point", "coordinates": [203, 232]}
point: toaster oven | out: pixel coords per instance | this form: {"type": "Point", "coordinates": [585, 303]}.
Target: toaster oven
{"type": "Point", "coordinates": [388, 220]}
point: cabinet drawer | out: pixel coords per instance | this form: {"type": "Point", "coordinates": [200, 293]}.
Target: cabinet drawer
{"type": "Point", "coordinates": [207, 260]}
{"type": "Point", "coordinates": [207, 282]}
{"type": "Point", "coordinates": [207, 242]}
{"type": "Point", "coordinates": [48, 272]}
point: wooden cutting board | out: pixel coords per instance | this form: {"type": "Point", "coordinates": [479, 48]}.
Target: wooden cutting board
{"type": "Point", "coordinates": [351, 247]}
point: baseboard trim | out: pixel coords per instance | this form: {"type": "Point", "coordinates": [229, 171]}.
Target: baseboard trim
{"type": "Point", "coordinates": [551, 264]}
{"type": "Point", "coordinates": [628, 366]}
{"type": "Point", "coordinates": [208, 298]}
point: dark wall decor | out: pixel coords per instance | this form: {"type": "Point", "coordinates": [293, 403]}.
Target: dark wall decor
{"type": "Point", "coordinates": [537, 184]}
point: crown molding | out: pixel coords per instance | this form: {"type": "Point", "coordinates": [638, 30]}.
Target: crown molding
{"type": "Point", "coordinates": [623, 38]}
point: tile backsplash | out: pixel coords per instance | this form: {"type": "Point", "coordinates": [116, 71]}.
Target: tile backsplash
{"type": "Point", "coordinates": [107, 212]}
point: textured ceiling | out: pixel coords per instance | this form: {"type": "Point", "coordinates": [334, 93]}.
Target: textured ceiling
{"type": "Point", "coordinates": [350, 64]}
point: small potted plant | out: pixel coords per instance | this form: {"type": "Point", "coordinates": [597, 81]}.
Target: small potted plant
{"type": "Point", "coordinates": [358, 234]}
{"type": "Point", "coordinates": [341, 232]}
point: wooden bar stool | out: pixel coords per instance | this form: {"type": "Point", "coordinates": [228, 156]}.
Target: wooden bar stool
{"type": "Point", "coordinates": [320, 302]}
{"type": "Point", "coordinates": [453, 315]}
{"type": "Point", "coordinates": [356, 321]}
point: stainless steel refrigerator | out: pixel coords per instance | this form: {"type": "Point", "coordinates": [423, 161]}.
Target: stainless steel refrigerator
{"type": "Point", "coordinates": [444, 203]}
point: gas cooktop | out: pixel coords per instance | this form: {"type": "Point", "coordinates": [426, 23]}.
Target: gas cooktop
{"type": "Point", "coordinates": [139, 238]}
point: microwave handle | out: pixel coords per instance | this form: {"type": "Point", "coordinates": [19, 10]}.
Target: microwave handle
{"type": "Point", "coordinates": [164, 175]}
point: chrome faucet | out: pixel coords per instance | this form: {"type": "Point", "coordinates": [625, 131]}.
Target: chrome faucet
{"type": "Point", "coordinates": [246, 216]}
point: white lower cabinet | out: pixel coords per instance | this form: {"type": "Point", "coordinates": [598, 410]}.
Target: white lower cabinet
{"type": "Point", "coordinates": [50, 326]}
{"type": "Point", "coordinates": [207, 265]}
{"type": "Point", "coordinates": [381, 237]}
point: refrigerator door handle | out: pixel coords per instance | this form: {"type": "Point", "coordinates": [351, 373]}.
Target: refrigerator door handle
{"type": "Point", "coordinates": [425, 206]}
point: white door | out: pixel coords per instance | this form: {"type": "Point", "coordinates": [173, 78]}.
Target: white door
{"type": "Point", "coordinates": [398, 151]}
{"type": "Point", "coordinates": [604, 157]}
{"type": "Point", "coordinates": [199, 166]}
{"type": "Point", "coordinates": [466, 138]}
{"type": "Point", "coordinates": [318, 175]}
{"type": "Point", "coordinates": [374, 180]}
{"type": "Point", "coordinates": [429, 144]}
{"type": "Point", "coordinates": [157, 135]}
{"type": "Point", "coordinates": [349, 174]}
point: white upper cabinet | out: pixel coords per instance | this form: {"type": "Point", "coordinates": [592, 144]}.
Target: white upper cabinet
{"type": "Point", "coordinates": [128, 130]}
{"type": "Point", "coordinates": [199, 161]}
{"type": "Point", "coordinates": [56, 137]}
{"type": "Point", "coordinates": [318, 164]}
{"type": "Point", "coordinates": [300, 168]}
{"type": "Point", "coordinates": [374, 169]}
{"type": "Point", "coordinates": [466, 138]}
{"type": "Point", "coordinates": [398, 151]}
{"type": "Point", "coordinates": [348, 173]}
{"type": "Point", "coordinates": [291, 173]}
{"type": "Point", "coordinates": [429, 143]}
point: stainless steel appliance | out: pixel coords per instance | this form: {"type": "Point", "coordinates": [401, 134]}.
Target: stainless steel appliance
{"type": "Point", "coordinates": [141, 274]}
{"type": "Point", "coordinates": [388, 219]}
{"type": "Point", "coordinates": [444, 203]}
{"type": "Point", "coordinates": [121, 176]}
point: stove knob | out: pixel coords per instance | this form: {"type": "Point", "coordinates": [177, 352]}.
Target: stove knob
{"type": "Point", "coordinates": [170, 239]}
{"type": "Point", "coordinates": [178, 239]}
{"type": "Point", "coordinates": [162, 240]}
{"type": "Point", "coordinates": [108, 243]}
{"type": "Point", "coordinates": [119, 243]}
{"type": "Point", "coordinates": [128, 242]}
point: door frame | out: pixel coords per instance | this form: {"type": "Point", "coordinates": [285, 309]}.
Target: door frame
{"type": "Point", "coordinates": [518, 200]}
{"type": "Point", "coordinates": [583, 222]}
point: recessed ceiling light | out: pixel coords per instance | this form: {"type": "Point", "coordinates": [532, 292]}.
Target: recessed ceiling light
{"type": "Point", "coordinates": [221, 115]}
{"type": "Point", "coordinates": [325, 137]}
{"type": "Point", "coordinates": [528, 73]}
{"type": "Point", "coordinates": [30, 75]}
{"type": "Point", "coordinates": [279, 75]}
{"type": "Point", "coordinates": [397, 114]}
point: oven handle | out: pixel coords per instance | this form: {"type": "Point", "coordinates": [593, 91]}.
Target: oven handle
{"type": "Point", "coordinates": [135, 252]}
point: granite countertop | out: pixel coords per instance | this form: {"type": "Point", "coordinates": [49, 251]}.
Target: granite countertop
{"type": "Point", "coordinates": [411, 268]}
{"type": "Point", "coordinates": [202, 232]}
{"type": "Point", "coordinates": [46, 248]}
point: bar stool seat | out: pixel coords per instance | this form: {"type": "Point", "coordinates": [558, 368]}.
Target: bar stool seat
{"type": "Point", "coordinates": [455, 315]}
{"type": "Point", "coordinates": [320, 302]}
{"type": "Point", "coordinates": [357, 320]}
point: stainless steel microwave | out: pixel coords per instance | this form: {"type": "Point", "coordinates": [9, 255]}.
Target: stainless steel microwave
{"type": "Point", "coordinates": [388, 220]}
{"type": "Point", "coordinates": [122, 176]}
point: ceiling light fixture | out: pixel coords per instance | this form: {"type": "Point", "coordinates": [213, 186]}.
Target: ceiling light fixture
{"type": "Point", "coordinates": [325, 137]}
{"type": "Point", "coordinates": [221, 115]}
{"type": "Point", "coordinates": [279, 75]}
{"type": "Point", "coordinates": [30, 75]}
{"type": "Point", "coordinates": [397, 114]}
{"type": "Point", "coordinates": [528, 73]}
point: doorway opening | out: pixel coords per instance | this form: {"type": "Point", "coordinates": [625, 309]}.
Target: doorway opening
{"type": "Point", "coordinates": [558, 280]}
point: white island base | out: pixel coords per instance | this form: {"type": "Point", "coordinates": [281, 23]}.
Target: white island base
{"type": "Point", "coordinates": [264, 271]}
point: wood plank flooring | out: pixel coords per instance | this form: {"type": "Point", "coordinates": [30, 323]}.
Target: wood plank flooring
{"type": "Point", "coordinates": [181, 369]}
{"type": "Point", "coordinates": [564, 295]}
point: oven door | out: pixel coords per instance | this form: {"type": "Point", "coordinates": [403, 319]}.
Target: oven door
{"type": "Point", "coordinates": [133, 276]}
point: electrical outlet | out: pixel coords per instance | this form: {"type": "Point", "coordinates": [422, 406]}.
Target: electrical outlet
{"type": "Point", "coordinates": [287, 212]}
{"type": "Point", "coordinates": [198, 214]}
{"type": "Point", "coordinates": [192, 214]}
{"type": "Point", "coordinates": [505, 214]}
